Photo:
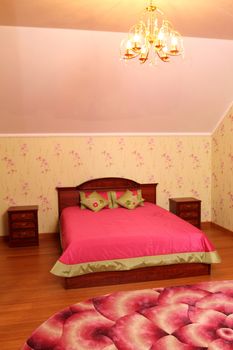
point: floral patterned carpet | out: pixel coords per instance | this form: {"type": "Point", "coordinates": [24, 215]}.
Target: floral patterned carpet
{"type": "Point", "coordinates": [195, 317]}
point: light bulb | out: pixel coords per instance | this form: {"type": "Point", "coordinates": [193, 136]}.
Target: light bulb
{"type": "Point", "coordinates": [136, 38]}
{"type": "Point", "coordinates": [143, 49]}
{"type": "Point", "coordinates": [174, 40]}
{"type": "Point", "coordinates": [129, 45]}
{"type": "Point", "coordinates": [160, 36]}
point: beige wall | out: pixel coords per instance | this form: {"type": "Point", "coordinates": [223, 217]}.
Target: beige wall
{"type": "Point", "coordinates": [31, 168]}
{"type": "Point", "coordinates": [222, 173]}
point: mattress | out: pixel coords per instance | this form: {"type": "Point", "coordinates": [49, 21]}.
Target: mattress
{"type": "Point", "coordinates": [122, 239]}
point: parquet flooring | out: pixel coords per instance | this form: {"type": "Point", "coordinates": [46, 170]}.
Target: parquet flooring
{"type": "Point", "coordinates": [29, 294]}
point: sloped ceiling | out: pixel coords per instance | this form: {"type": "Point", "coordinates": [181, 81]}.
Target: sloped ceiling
{"type": "Point", "coordinates": [61, 73]}
{"type": "Point", "coordinates": [195, 18]}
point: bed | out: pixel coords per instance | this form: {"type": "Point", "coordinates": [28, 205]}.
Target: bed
{"type": "Point", "coordinates": [104, 248]}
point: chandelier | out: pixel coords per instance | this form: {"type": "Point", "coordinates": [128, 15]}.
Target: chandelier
{"type": "Point", "coordinates": [151, 38]}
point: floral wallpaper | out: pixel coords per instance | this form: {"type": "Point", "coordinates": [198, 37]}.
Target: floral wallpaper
{"type": "Point", "coordinates": [32, 167]}
{"type": "Point", "coordinates": [222, 173]}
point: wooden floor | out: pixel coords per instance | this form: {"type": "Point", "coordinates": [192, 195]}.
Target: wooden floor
{"type": "Point", "coordinates": [29, 294]}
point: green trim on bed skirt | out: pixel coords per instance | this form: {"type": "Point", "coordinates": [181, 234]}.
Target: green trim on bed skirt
{"type": "Point", "coordinates": [65, 270]}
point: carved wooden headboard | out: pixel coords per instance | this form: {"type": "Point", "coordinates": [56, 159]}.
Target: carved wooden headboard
{"type": "Point", "coordinates": [69, 196]}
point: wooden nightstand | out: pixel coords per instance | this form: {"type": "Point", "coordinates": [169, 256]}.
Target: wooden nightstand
{"type": "Point", "coordinates": [188, 209]}
{"type": "Point", "coordinates": [23, 226]}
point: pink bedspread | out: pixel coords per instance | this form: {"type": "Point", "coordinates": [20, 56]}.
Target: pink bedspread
{"type": "Point", "coordinates": [121, 234]}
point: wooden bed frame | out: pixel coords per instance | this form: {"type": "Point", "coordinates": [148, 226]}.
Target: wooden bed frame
{"type": "Point", "coordinates": [69, 196]}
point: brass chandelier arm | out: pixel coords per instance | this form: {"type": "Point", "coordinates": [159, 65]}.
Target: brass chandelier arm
{"type": "Point", "coordinates": [151, 8]}
{"type": "Point", "coordinates": [152, 36]}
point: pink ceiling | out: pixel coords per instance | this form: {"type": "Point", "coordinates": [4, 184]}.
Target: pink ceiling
{"type": "Point", "coordinates": [196, 18]}
{"type": "Point", "coordinates": [58, 80]}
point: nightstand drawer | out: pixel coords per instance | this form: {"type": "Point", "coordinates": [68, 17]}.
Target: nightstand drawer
{"type": "Point", "coordinates": [23, 224]}
{"type": "Point", "coordinates": [188, 214]}
{"type": "Point", "coordinates": [188, 206]}
{"type": "Point", "coordinates": [23, 234]}
{"type": "Point", "coordinates": [22, 216]}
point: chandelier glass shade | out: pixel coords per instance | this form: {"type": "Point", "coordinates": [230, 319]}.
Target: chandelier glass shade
{"type": "Point", "coordinates": [152, 37]}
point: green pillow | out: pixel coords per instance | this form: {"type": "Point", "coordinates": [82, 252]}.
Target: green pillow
{"type": "Point", "coordinates": [116, 195]}
{"type": "Point", "coordinates": [129, 200]}
{"type": "Point", "coordinates": [93, 201]}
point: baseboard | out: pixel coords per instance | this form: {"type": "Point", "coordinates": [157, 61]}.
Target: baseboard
{"type": "Point", "coordinates": [221, 228]}
{"type": "Point", "coordinates": [4, 238]}
{"type": "Point", "coordinates": [47, 234]}
{"type": "Point", "coordinates": [208, 225]}
{"type": "Point", "coordinates": [42, 235]}
{"type": "Point", "coordinates": [205, 224]}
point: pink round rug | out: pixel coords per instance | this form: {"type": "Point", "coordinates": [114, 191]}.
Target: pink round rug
{"type": "Point", "coordinates": [196, 317]}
